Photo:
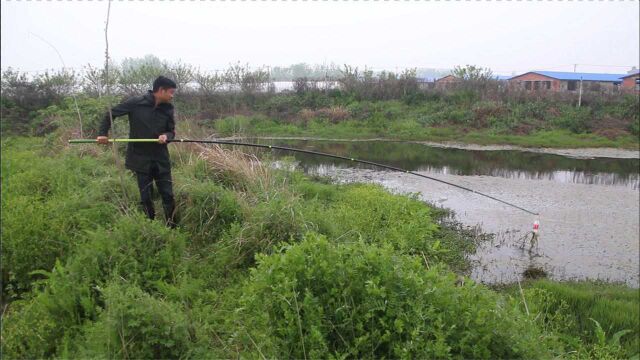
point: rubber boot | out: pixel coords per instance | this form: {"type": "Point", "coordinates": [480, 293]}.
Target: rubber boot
{"type": "Point", "coordinates": [147, 208]}
{"type": "Point", "coordinates": [170, 215]}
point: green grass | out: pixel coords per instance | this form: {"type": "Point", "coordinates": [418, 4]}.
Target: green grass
{"type": "Point", "coordinates": [575, 306]}
{"type": "Point", "coordinates": [529, 124]}
{"type": "Point", "coordinates": [540, 139]}
{"type": "Point", "coordinates": [275, 266]}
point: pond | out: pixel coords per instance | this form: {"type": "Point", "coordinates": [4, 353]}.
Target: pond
{"type": "Point", "coordinates": [589, 207]}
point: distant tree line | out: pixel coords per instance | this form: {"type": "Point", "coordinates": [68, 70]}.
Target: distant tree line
{"type": "Point", "coordinates": [240, 88]}
{"type": "Point", "coordinates": [302, 70]}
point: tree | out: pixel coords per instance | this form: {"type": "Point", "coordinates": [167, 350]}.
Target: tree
{"type": "Point", "coordinates": [181, 73]}
{"type": "Point", "coordinates": [137, 74]}
{"type": "Point", "coordinates": [472, 73]}
{"type": "Point", "coordinates": [208, 83]}
{"type": "Point", "coordinates": [94, 81]}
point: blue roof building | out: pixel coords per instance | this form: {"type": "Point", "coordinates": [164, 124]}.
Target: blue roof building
{"type": "Point", "coordinates": [567, 81]}
{"type": "Point", "coordinates": [576, 76]}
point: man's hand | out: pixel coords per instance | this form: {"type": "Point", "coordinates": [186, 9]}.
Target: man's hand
{"type": "Point", "coordinates": [103, 140]}
{"type": "Point", "coordinates": [162, 139]}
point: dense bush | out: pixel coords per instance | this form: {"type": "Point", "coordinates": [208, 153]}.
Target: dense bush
{"type": "Point", "coordinates": [136, 325]}
{"type": "Point", "coordinates": [279, 219]}
{"type": "Point", "coordinates": [207, 210]}
{"type": "Point", "coordinates": [136, 251]}
{"type": "Point", "coordinates": [231, 126]}
{"type": "Point", "coordinates": [573, 119]}
{"type": "Point", "coordinates": [47, 206]}
{"type": "Point", "coordinates": [65, 115]}
{"type": "Point", "coordinates": [356, 300]}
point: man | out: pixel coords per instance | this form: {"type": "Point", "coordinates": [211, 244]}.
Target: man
{"type": "Point", "coordinates": [150, 117]}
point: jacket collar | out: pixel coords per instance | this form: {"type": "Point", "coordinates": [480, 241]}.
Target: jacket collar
{"type": "Point", "coordinates": [151, 100]}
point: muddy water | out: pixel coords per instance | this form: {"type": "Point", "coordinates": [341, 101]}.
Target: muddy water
{"type": "Point", "coordinates": [589, 207]}
{"type": "Point", "coordinates": [586, 231]}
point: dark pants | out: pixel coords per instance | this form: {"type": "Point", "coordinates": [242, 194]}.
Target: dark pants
{"type": "Point", "coordinates": [165, 188]}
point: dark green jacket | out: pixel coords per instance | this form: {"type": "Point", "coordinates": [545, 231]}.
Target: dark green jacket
{"type": "Point", "coordinates": [145, 122]}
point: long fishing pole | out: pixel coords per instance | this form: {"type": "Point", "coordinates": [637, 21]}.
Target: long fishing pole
{"type": "Point", "coordinates": [222, 142]}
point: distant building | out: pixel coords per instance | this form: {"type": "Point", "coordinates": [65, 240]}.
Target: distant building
{"type": "Point", "coordinates": [631, 82]}
{"type": "Point", "coordinates": [426, 83]}
{"type": "Point", "coordinates": [446, 82]}
{"type": "Point", "coordinates": [566, 81]}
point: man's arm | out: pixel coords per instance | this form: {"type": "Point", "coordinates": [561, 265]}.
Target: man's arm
{"type": "Point", "coordinates": [170, 132]}
{"type": "Point", "coordinates": [118, 110]}
{"type": "Point", "coordinates": [171, 127]}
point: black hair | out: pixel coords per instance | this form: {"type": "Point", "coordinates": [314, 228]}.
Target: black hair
{"type": "Point", "coordinates": [163, 82]}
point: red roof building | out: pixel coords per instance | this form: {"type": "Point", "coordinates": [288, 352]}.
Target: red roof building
{"type": "Point", "coordinates": [631, 82]}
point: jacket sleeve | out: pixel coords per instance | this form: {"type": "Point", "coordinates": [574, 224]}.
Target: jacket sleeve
{"type": "Point", "coordinates": [121, 109]}
{"type": "Point", "coordinates": [171, 126]}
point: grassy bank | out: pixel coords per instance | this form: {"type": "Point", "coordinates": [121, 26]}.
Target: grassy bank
{"type": "Point", "coordinates": [265, 263]}
{"type": "Point", "coordinates": [604, 315]}
{"type": "Point", "coordinates": [246, 126]}
{"type": "Point", "coordinates": [459, 116]}
{"type": "Point", "coordinates": [542, 123]}
{"type": "Point", "coordinates": [466, 116]}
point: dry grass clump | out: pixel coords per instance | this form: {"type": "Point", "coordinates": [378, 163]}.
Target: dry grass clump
{"type": "Point", "coordinates": [335, 114]}
{"type": "Point", "coordinates": [306, 115]}
{"type": "Point", "coordinates": [235, 168]}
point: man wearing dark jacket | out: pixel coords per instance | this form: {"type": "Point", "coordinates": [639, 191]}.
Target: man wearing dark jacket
{"type": "Point", "coordinates": [150, 117]}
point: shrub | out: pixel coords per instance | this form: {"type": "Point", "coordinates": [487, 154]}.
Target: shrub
{"type": "Point", "coordinates": [359, 110]}
{"type": "Point", "coordinates": [276, 218]}
{"type": "Point", "coordinates": [407, 128]}
{"type": "Point", "coordinates": [29, 331]}
{"type": "Point", "coordinates": [634, 127]}
{"type": "Point", "coordinates": [459, 116]}
{"type": "Point", "coordinates": [47, 206]}
{"type": "Point", "coordinates": [232, 125]}
{"type": "Point", "coordinates": [207, 210]}
{"type": "Point", "coordinates": [282, 105]}
{"type": "Point", "coordinates": [574, 119]}
{"type": "Point", "coordinates": [414, 98]}
{"type": "Point", "coordinates": [136, 249]}
{"type": "Point", "coordinates": [314, 99]}
{"type": "Point", "coordinates": [65, 115]}
{"type": "Point", "coordinates": [135, 325]}
{"type": "Point", "coordinates": [484, 111]}
{"type": "Point", "coordinates": [534, 109]}
{"type": "Point", "coordinates": [371, 214]}
{"type": "Point", "coordinates": [461, 97]}
{"type": "Point", "coordinates": [357, 300]}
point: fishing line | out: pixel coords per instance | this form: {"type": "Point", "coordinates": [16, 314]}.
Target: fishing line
{"type": "Point", "coordinates": [64, 67]}
{"type": "Point", "coordinates": [223, 142]}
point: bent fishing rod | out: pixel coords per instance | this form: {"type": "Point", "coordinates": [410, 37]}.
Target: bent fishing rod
{"type": "Point", "coordinates": [223, 142]}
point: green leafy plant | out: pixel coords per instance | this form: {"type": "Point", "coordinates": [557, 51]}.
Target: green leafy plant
{"type": "Point", "coordinates": [358, 300]}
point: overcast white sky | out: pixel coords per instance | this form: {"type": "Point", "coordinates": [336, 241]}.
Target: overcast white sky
{"type": "Point", "coordinates": [507, 36]}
